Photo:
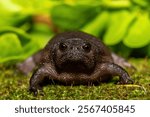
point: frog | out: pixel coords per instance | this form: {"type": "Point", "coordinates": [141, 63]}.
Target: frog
{"type": "Point", "coordinates": [75, 58]}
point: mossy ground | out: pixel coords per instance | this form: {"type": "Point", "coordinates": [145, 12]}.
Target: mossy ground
{"type": "Point", "coordinates": [14, 86]}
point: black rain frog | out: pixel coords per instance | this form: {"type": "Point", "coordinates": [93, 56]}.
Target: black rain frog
{"type": "Point", "coordinates": [74, 58]}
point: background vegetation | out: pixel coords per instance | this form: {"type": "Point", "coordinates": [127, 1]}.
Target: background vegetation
{"type": "Point", "coordinates": [26, 26]}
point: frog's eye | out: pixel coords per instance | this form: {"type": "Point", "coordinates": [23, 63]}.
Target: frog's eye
{"type": "Point", "coordinates": [86, 47]}
{"type": "Point", "coordinates": [62, 46]}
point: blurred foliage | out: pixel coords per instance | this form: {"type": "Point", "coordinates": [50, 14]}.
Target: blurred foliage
{"type": "Point", "coordinates": [26, 26]}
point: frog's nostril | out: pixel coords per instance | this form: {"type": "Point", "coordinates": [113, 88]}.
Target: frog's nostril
{"type": "Point", "coordinates": [71, 47]}
{"type": "Point", "coordinates": [78, 48]}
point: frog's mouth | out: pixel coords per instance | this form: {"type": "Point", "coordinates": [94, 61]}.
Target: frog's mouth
{"type": "Point", "coordinates": [79, 66]}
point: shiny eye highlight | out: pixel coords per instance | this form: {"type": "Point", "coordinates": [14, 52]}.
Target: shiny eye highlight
{"type": "Point", "coordinates": [87, 47]}
{"type": "Point", "coordinates": [62, 46]}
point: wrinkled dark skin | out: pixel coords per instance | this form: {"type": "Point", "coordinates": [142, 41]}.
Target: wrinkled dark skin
{"type": "Point", "coordinates": [75, 58]}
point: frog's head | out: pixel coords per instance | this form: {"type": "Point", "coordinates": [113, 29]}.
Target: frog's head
{"type": "Point", "coordinates": [76, 52]}
{"type": "Point", "coordinates": [74, 55]}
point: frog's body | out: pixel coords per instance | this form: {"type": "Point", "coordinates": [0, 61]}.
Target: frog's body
{"type": "Point", "coordinates": [75, 58]}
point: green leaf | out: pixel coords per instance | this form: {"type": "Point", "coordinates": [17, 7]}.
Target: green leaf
{"type": "Point", "coordinates": [23, 37]}
{"type": "Point", "coordinates": [73, 17]}
{"type": "Point", "coordinates": [9, 46]}
{"type": "Point", "coordinates": [143, 3]}
{"type": "Point", "coordinates": [119, 24]}
{"type": "Point", "coordinates": [41, 33]}
{"type": "Point", "coordinates": [7, 7]}
{"type": "Point", "coordinates": [97, 25]}
{"type": "Point", "coordinates": [14, 20]}
{"type": "Point", "coordinates": [13, 48]}
{"type": "Point", "coordinates": [35, 6]}
{"type": "Point", "coordinates": [40, 39]}
{"type": "Point", "coordinates": [139, 33]}
{"type": "Point", "coordinates": [18, 45]}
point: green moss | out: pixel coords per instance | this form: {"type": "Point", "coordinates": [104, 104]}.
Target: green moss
{"type": "Point", "coordinates": [15, 86]}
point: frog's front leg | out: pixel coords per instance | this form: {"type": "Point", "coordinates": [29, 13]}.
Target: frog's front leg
{"type": "Point", "coordinates": [38, 78]}
{"type": "Point", "coordinates": [116, 70]}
